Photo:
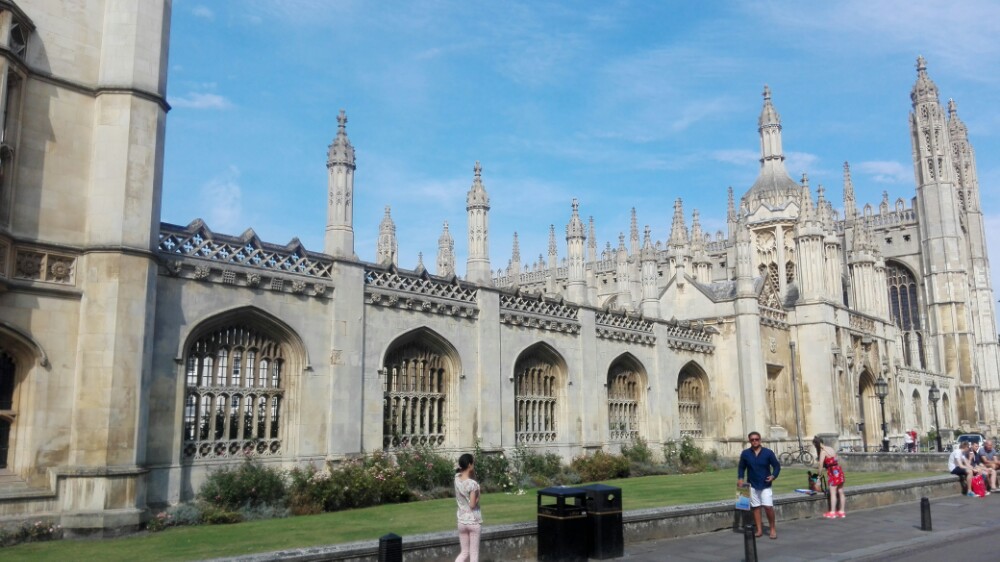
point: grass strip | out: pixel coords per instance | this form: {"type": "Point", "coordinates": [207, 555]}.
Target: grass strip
{"type": "Point", "coordinates": [212, 541]}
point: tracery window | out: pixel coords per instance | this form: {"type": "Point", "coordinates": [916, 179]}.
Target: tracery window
{"type": "Point", "coordinates": [7, 413]}
{"type": "Point", "coordinates": [789, 272]}
{"type": "Point", "coordinates": [227, 409]}
{"type": "Point", "coordinates": [535, 388]}
{"type": "Point", "coordinates": [904, 307]}
{"type": "Point", "coordinates": [690, 400]}
{"type": "Point", "coordinates": [11, 88]}
{"type": "Point", "coordinates": [415, 380]}
{"type": "Point", "coordinates": [623, 404]}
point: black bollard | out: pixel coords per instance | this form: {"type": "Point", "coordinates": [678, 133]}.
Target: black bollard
{"type": "Point", "coordinates": [749, 544]}
{"type": "Point", "coordinates": [390, 548]}
{"type": "Point", "coordinates": [925, 514]}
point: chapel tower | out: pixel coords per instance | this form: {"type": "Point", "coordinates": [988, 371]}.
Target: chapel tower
{"type": "Point", "coordinates": [477, 269]}
{"type": "Point", "coordinates": [339, 241]}
{"type": "Point", "coordinates": [944, 250]}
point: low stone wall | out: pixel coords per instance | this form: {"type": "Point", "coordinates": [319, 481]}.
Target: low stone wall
{"type": "Point", "coordinates": [518, 542]}
{"type": "Point", "coordinates": [894, 462]}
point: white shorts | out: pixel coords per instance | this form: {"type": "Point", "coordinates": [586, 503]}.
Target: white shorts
{"type": "Point", "coordinates": [761, 497]}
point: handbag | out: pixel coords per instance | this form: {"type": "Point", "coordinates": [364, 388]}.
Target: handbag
{"type": "Point", "coordinates": [978, 485]}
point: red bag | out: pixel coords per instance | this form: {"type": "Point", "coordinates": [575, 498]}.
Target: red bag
{"type": "Point", "coordinates": [978, 486]}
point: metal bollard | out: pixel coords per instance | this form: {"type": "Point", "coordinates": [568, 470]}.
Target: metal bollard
{"type": "Point", "coordinates": [925, 514]}
{"type": "Point", "coordinates": [390, 548]}
{"type": "Point", "coordinates": [749, 544]}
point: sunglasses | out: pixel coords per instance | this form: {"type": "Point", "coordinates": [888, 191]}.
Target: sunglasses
{"type": "Point", "coordinates": [754, 439]}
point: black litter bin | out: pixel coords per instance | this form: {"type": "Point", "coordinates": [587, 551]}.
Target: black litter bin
{"type": "Point", "coordinates": [604, 516]}
{"type": "Point", "coordinates": [562, 524]}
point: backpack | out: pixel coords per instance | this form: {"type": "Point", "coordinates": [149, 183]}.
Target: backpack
{"type": "Point", "coordinates": [978, 486]}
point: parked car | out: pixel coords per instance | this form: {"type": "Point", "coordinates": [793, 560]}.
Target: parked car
{"type": "Point", "coordinates": [970, 438]}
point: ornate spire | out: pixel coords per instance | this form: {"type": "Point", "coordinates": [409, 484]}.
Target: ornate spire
{"type": "Point", "coordinates": [805, 202]}
{"type": "Point", "coordinates": [648, 252]}
{"type": "Point", "coordinates": [850, 205]}
{"type": "Point", "coordinates": [477, 196]}
{"type": "Point", "coordinates": [678, 232]}
{"type": "Point", "coordinates": [386, 251]}
{"type": "Point", "coordinates": [477, 268]}
{"type": "Point", "coordinates": [446, 253]}
{"type": "Point", "coordinates": [591, 242]}
{"type": "Point", "coordinates": [956, 128]}
{"type": "Point", "coordinates": [697, 236]}
{"type": "Point", "coordinates": [731, 207]}
{"type": "Point", "coordinates": [634, 233]}
{"type": "Point", "coordinates": [924, 90]}
{"type": "Point", "coordinates": [773, 184]}
{"type": "Point", "coordinates": [515, 254]}
{"type": "Point", "coordinates": [575, 227]}
{"type": "Point", "coordinates": [340, 150]}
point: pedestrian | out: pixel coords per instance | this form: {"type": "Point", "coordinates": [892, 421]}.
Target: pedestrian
{"type": "Point", "coordinates": [908, 441]}
{"type": "Point", "coordinates": [827, 459]}
{"type": "Point", "coordinates": [761, 467]}
{"type": "Point", "coordinates": [470, 519]}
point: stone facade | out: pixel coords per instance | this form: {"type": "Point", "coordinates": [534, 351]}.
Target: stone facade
{"type": "Point", "coordinates": [136, 356]}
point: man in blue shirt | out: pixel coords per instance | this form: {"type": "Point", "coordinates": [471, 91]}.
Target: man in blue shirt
{"type": "Point", "coordinates": [761, 468]}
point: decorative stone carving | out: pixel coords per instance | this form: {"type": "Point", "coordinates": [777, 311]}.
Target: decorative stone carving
{"type": "Point", "coordinates": [201, 272]}
{"type": "Point", "coordinates": [35, 264]}
{"type": "Point", "coordinates": [420, 293]}
{"type": "Point", "coordinates": [253, 279]}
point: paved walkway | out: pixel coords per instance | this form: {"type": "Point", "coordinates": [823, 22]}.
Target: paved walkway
{"type": "Point", "coordinates": [863, 535]}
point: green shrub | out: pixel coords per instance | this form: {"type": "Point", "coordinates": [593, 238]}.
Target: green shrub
{"type": "Point", "coordinates": [527, 462]}
{"type": "Point", "coordinates": [37, 531]}
{"type": "Point", "coordinates": [493, 471]}
{"type": "Point", "coordinates": [249, 484]}
{"type": "Point", "coordinates": [218, 515]}
{"type": "Point", "coordinates": [424, 469]}
{"type": "Point", "coordinates": [600, 466]}
{"type": "Point", "coordinates": [639, 452]}
{"type": "Point", "coordinates": [309, 490]}
{"type": "Point", "coordinates": [692, 458]}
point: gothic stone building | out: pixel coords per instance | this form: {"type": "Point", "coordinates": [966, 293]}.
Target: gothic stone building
{"type": "Point", "coordinates": [136, 356]}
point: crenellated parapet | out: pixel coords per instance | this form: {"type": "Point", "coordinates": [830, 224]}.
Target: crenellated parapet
{"type": "Point", "coordinates": [689, 336]}
{"type": "Point", "coordinates": [625, 327]}
{"type": "Point", "coordinates": [533, 311]}
{"type": "Point", "coordinates": [195, 252]}
{"type": "Point", "coordinates": [421, 293]}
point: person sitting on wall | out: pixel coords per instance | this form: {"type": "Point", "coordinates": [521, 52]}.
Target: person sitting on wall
{"type": "Point", "coordinates": [959, 465]}
{"type": "Point", "coordinates": [907, 442]}
{"type": "Point", "coordinates": [980, 467]}
{"type": "Point", "coordinates": [989, 455]}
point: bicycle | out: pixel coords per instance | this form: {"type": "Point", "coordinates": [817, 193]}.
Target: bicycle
{"type": "Point", "coordinates": [801, 455]}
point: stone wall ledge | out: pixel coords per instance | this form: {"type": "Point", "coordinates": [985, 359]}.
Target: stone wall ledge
{"type": "Point", "coordinates": [518, 541]}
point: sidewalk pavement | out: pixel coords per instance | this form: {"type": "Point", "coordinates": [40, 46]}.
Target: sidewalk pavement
{"type": "Point", "coordinates": [863, 535]}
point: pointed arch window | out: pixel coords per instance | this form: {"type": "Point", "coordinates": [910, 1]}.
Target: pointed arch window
{"type": "Point", "coordinates": [690, 402]}
{"type": "Point", "coordinates": [904, 308]}
{"type": "Point", "coordinates": [415, 378]}
{"type": "Point", "coordinates": [535, 386]}
{"type": "Point", "coordinates": [224, 413]}
{"type": "Point", "coordinates": [624, 393]}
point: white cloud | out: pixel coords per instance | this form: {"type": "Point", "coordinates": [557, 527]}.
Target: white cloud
{"type": "Point", "coordinates": [197, 100]}
{"type": "Point", "coordinates": [203, 12]}
{"type": "Point", "coordinates": [736, 156]}
{"type": "Point", "coordinates": [224, 197]}
{"type": "Point", "coordinates": [886, 171]}
{"type": "Point", "coordinates": [798, 163]}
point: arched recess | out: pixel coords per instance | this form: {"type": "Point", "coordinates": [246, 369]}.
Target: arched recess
{"type": "Point", "coordinates": [626, 386]}
{"type": "Point", "coordinates": [905, 310]}
{"type": "Point", "coordinates": [946, 406]}
{"type": "Point", "coordinates": [918, 410]}
{"type": "Point", "coordinates": [237, 388]}
{"type": "Point", "coordinates": [19, 354]}
{"type": "Point", "coordinates": [419, 373]}
{"type": "Point", "coordinates": [692, 400]}
{"type": "Point", "coordinates": [540, 375]}
{"type": "Point", "coordinates": [870, 410]}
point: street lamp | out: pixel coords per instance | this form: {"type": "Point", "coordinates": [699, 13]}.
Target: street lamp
{"type": "Point", "coordinates": [882, 390]}
{"type": "Point", "coordinates": [934, 394]}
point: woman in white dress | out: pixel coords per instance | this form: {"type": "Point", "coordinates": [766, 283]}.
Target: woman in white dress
{"type": "Point", "coordinates": [470, 520]}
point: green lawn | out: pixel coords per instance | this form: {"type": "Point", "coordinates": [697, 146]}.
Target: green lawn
{"type": "Point", "coordinates": [193, 543]}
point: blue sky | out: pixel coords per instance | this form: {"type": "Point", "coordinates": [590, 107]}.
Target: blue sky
{"type": "Point", "coordinates": [618, 104]}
